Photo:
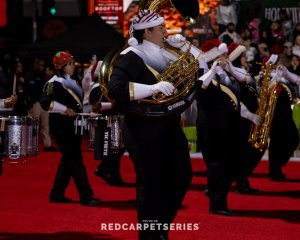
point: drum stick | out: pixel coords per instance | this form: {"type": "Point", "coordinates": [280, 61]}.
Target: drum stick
{"type": "Point", "coordinates": [80, 114]}
{"type": "Point", "coordinates": [14, 85]}
{"type": "Point", "coordinates": [2, 127]}
{"type": "Point", "coordinates": [88, 114]}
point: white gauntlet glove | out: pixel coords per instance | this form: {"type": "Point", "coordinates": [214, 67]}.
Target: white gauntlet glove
{"type": "Point", "coordinates": [276, 77]}
{"type": "Point", "coordinates": [143, 90]}
{"type": "Point", "coordinates": [272, 82]}
{"type": "Point", "coordinates": [254, 118]}
{"type": "Point", "coordinates": [56, 107]}
{"type": "Point", "coordinates": [239, 74]}
{"type": "Point", "coordinates": [164, 87]}
{"type": "Point", "coordinates": [176, 40]}
{"type": "Point", "coordinates": [294, 78]}
{"type": "Point", "coordinates": [245, 113]}
{"type": "Point", "coordinates": [209, 75]}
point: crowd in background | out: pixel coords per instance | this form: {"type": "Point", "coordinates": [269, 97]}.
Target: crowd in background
{"type": "Point", "coordinates": [280, 37]}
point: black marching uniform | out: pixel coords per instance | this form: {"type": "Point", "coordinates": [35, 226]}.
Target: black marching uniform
{"type": "Point", "coordinates": [250, 156]}
{"type": "Point", "coordinates": [109, 167]}
{"type": "Point", "coordinates": [219, 126]}
{"type": "Point", "coordinates": [69, 143]}
{"type": "Point", "coordinates": [158, 148]}
{"type": "Point", "coordinates": [284, 136]}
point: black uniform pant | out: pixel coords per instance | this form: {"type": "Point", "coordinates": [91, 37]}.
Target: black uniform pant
{"type": "Point", "coordinates": [111, 164]}
{"type": "Point", "coordinates": [220, 142]}
{"type": "Point", "coordinates": [284, 139]}
{"type": "Point", "coordinates": [250, 156]}
{"type": "Point", "coordinates": [71, 163]}
{"type": "Point", "coordinates": [163, 172]}
{"type": "Point", "coordinates": [284, 136]}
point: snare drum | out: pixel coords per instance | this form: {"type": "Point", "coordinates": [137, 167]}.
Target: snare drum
{"type": "Point", "coordinates": [92, 125]}
{"type": "Point", "coordinates": [108, 135]}
{"type": "Point", "coordinates": [20, 138]}
{"type": "Point", "coordinates": [32, 136]}
{"type": "Point", "coordinates": [116, 134]}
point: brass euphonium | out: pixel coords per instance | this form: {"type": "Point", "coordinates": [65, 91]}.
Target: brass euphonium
{"type": "Point", "coordinates": [181, 73]}
{"type": "Point", "coordinates": [259, 134]}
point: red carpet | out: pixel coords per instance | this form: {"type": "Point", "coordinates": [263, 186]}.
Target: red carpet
{"type": "Point", "coordinates": [26, 213]}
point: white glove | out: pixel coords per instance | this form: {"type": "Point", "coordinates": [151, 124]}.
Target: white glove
{"type": "Point", "coordinates": [164, 87]}
{"type": "Point", "coordinates": [57, 107]}
{"type": "Point", "coordinates": [106, 106]}
{"type": "Point", "coordinates": [294, 78]}
{"type": "Point", "coordinates": [245, 113]}
{"type": "Point", "coordinates": [229, 67]}
{"type": "Point", "coordinates": [203, 64]}
{"type": "Point", "coordinates": [279, 72]}
{"type": "Point", "coordinates": [144, 90]}
{"type": "Point", "coordinates": [239, 74]}
{"type": "Point", "coordinates": [272, 82]}
{"type": "Point", "coordinates": [209, 75]}
{"type": "Point", "coordinates": [254, 118]}
{"type": "Point", "coordinates": [176, 40]}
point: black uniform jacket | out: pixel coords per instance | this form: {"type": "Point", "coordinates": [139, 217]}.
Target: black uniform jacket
{"type": "Point", "coordinates": [55, 91]}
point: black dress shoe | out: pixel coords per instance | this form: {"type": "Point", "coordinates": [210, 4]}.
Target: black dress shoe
{"type": "Point", "coordinates": [103, 175]}
{"type": "Point", "coordinates": [113, 180]}
{"type": "Point", "coordinates": [160, 237]}
{"type": "Point", "coordinates": [278, 178]}
{"type": "Point", "coordinates": [60, 199]}
{"type": "Point", "coordinates": [116, 180]}
{"type": "Point", "coordinates": [50, 149]}
{"type": "Point", "coordinates": [163, 237]}
{"type": "Point", "coordinates": [206, 192]}
{"type": "Point", "coordinates": [118, 183]}
{"type": "Point", "coordinates": [224, 212]}
{"type": "Point", "coordinates": [90, 202]}
{"type": "Point", "coordinates": [248, 191]}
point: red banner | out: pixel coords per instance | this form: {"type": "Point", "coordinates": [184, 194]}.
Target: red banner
{"type": "Point", "coordinates": [110, 10]}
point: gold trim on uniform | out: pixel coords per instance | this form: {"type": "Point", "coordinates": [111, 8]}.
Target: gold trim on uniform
{"type": "Point", "coordinates": [252, 89]}
{"type": "Point", "coordinates": [74, 96]}
{"type": "Point", "coordinates": [154, 72]}
{"type": "Point", "coordinates": [289, 92]}
{"type": "Point", "coordinates": [51, 106]}
{"type": "Point", "coordinates": [230, 94]}
{"type": "Point", "coordinates": [131, 91]}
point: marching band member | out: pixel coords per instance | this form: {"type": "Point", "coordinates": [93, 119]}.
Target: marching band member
{"type": "Point", "coordinates": [87, 82]}
{"type": "Point", "coordinates": [249, 104]}
{"type": "Point", "coordinates": [219, 124]}
{"type": "Point", "coordinates": [62, 96]}
{"type": "Point", "coordinates": [109, 167]}
{"type": "Point", "coordinates": [284, 136]}
{"type": "Point", "coordinates": [158, 147]}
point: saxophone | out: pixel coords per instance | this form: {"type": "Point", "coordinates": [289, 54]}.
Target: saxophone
{"type": "Point", "coordinates": [259, 134]}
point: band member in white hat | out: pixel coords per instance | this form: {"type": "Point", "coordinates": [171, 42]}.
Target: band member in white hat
{"type": "Point", "coordinates": [158, 147]}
